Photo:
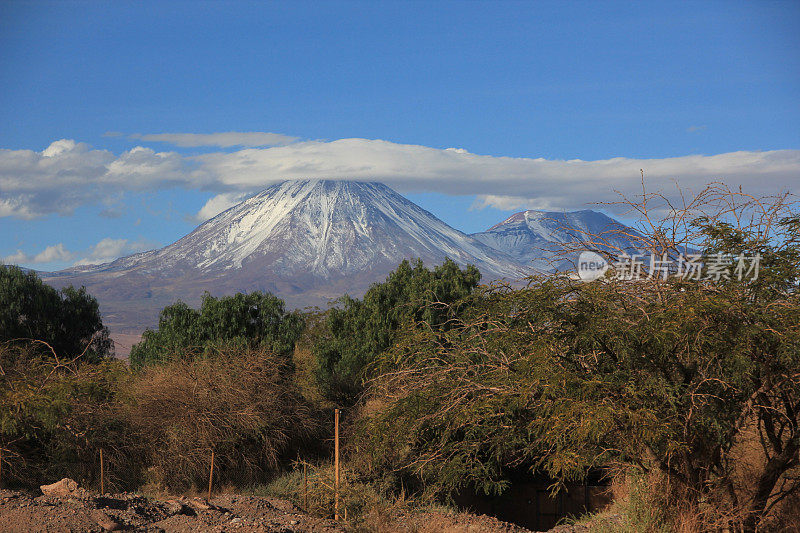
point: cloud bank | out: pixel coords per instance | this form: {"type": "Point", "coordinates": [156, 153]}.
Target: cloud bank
{"type": "Point", "coordinates": [68, 174]}
{"type": "Point", "coordinates": [503, 182]}
{"type": "Point", "coordinates": [104, 251]}
{"type": "Point", "coordinates": [57, 252]}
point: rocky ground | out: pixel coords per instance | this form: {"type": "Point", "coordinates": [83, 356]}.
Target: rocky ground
{"type": "Point", "coordinates": [83, 512]}
{"type": "Point", "coordinates": [64, 507]}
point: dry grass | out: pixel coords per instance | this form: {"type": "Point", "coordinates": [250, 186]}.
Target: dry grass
{"type": "Point", "coordinates": [373, 506]}
{"type": "Point", "coordinates": [241, 404]}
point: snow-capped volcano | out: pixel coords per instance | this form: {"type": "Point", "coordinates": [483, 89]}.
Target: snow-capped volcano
{"type": "Point", "coordinates": [327, 229]}
{"type": "Point", "coordinates": [305, 241]}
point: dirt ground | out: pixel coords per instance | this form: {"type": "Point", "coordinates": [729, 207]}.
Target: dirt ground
{"type": "Point", "coordinates": [80, 511]}
{"type": "Point", "coordinates": [20, 511]}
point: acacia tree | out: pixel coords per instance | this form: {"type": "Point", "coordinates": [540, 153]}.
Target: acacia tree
{"type": "Point", "coordinates": [671, 375]}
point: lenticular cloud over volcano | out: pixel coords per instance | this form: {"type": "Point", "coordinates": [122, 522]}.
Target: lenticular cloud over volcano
{"type": "Point", "coordinates": [68, 174]}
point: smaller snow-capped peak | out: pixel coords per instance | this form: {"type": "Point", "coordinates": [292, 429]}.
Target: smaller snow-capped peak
{"type": "Point", "coordinates": [558, 225]}
{"type": "Point", "coordinates": [533, 236]}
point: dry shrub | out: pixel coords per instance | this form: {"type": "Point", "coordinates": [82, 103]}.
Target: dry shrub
{"type": "Point", "coordinates": [240, 403]}
{"type": "Point", "coordinates": [55, 416]}
{"type": "Point", "coordinates": [650, 502]}
{"type": "Point", "coordinates": [647, 501]}
{"type": "Point", "coordinates": [749, 459]}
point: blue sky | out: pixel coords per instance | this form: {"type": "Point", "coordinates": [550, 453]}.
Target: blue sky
{"type": "Point", "coordinates": [518, 91]}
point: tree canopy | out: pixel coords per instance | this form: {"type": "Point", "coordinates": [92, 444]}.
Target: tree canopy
{"type": "Point", "coordinates": [68, 320]}
{"type": "Point", "coordinates": [255, 320]}
{"type": "Point", "coordinates": [359, 330]}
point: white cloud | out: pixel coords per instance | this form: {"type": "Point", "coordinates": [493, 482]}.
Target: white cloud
{"type": "Point", "coordinates": [68, 174]}
{"type": "Point", "coordinates": [17, 258]}
{"type": "Point", "coordinates": [109, 249]}
{"type": "Point", "coordinates": [217, 205]}
{"type": "Point", "coordinates": [503, 182]}
{"type": "Point", "coordinates": [62, 147]}
{"type": "Point", "coordinates": [17, 207]}
{"type": "Point", "coordinates": [53, 253]}
{"type": "Point", "coordinates": [57, 252]}
{"type": "Point", "coordinates": [103, 252]}
{"type": "Point", "coordinates": [222, 139]}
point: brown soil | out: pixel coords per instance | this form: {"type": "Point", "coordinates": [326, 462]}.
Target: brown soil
{"type": "Point", "coordinates": [85, 512]}
{"type": "Point", "coordinates": [20, 511]}
{"type": "Point", "coordinates": [434, 522]}
{"type": "Point", "coordinates": [123, 342]}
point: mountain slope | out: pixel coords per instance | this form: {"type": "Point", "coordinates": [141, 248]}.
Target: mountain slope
{"type": "Point", "coordinates": [305, 241]}
{"type": "Point", "coordinates": [535, 238]}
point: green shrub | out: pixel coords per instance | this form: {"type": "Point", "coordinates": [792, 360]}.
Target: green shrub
{"type": "Point", "coordinates": [67, 320]}
{"type": "Point", "coordinates": [254, 320]}
{"type": "Point", "coordinates": [359, 330]}
{"type": "Point", "coordinates": [55, 418]}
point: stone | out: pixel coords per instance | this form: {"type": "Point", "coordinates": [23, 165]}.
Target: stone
{"type": "Point", "coordinates": [65, 487]}
{"type": "Point", "coordinates": [174, 507]}
{"type": "Point", "coordinates": [200, 504]}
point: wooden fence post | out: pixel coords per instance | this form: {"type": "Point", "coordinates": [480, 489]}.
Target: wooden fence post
{"type": "Point", "coordinates": [102, 474]}
{"type": "Point", "coordinates": [305, 485]}
{"type": "Point", "coordinates": [336, 465]}
{"type": "Point", "coordinates": [211, 475]}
